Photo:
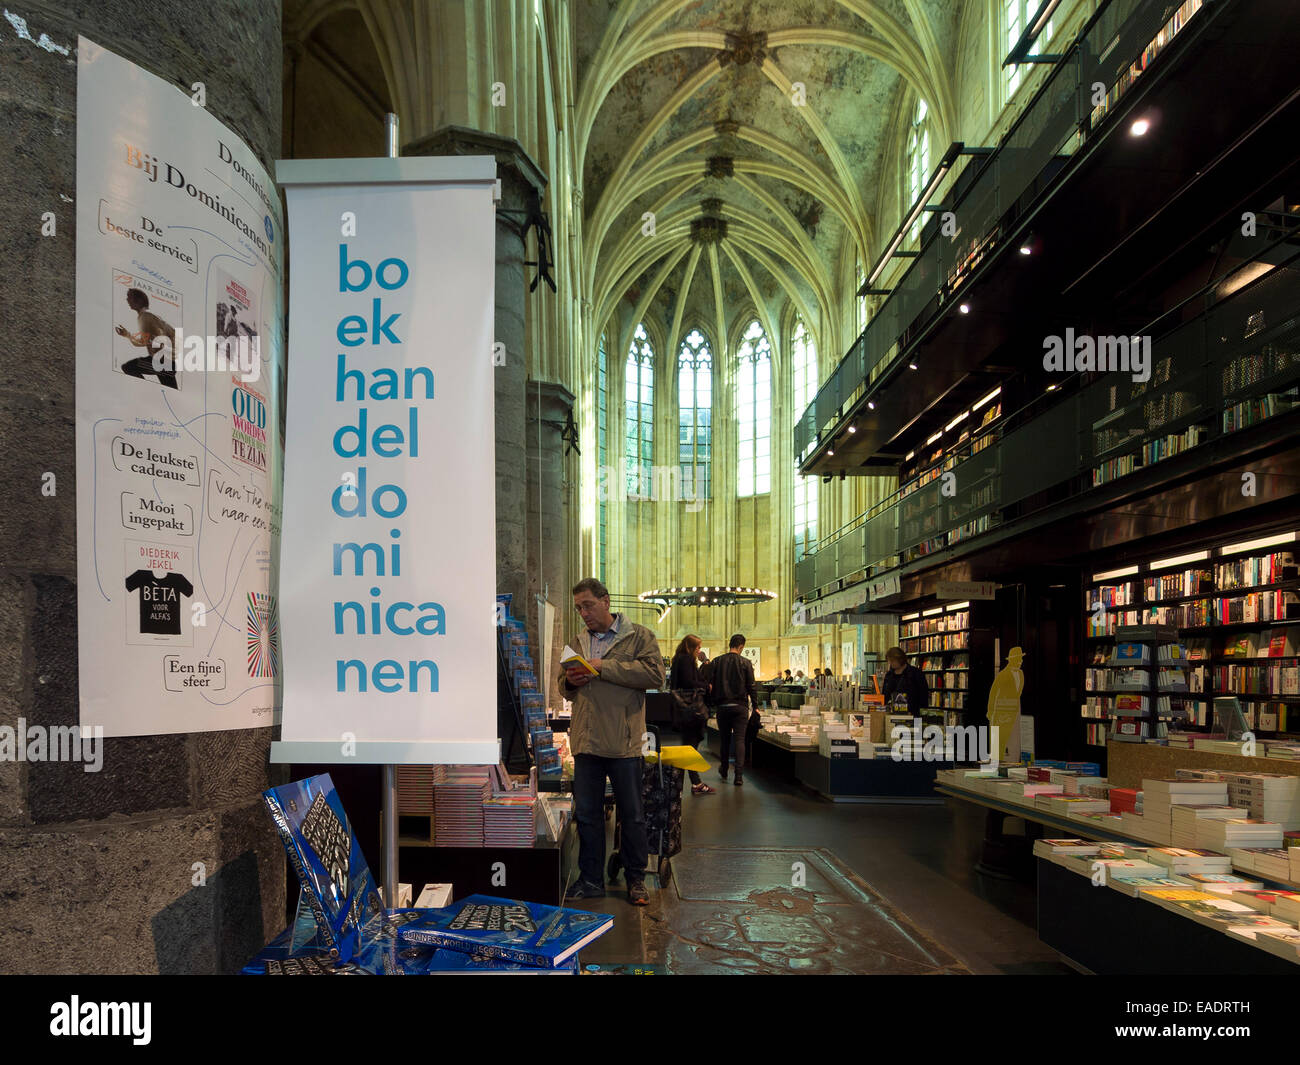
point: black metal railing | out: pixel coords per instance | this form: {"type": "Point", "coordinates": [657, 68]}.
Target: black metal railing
{"type": "Point", "coordinates": [1059, 118]}
{"type": "Point", "coordinates": [1233, 366]}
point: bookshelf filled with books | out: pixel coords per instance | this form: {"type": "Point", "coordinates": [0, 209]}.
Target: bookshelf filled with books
{"type": "Point", "coordinates": [1149, 421]}
{"type": "Point", "coordinates": [968, 436]}
{"type": "Point", "coordinates": [1234, 610]}
{"type": "Point", "coordinates": [952, 646]}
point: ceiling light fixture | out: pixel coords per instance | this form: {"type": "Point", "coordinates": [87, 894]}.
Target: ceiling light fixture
{"type": "Point", "coordinates": [1140, 127]}
{"type": "Point", "coordinates": [964, 308]}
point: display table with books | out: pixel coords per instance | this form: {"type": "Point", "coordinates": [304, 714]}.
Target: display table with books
{"type": "Point", "coordinates": [1192, 873]}
{"type": "Point", "coordinates": [1105, 930]}
{"type": "Point", "coordinates": [840, 778]}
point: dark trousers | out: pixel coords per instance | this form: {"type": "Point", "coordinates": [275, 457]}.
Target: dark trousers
{"type": "Point", "coordinates": [733, 719]}
{"type": "Point", "coordinates": [144, 365]}
{"type": "Point", "coordinates": [693, 736]}
{"type": "Point", "coordinates": [625, 775]}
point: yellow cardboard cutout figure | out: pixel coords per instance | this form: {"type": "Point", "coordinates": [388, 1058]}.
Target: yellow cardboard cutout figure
{"type": "Point", "coordinates": [1004, 706]}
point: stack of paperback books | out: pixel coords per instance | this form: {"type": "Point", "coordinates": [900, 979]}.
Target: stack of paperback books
{"type": "Point", "coordinates": [510, 821]}
{"type": "Point", "coordinates": [1272, 862]}
{"type": "Point", "coordinates": [1187, 816]}
{"type": "Point", "coordinates": [458, 806]}
{"type": "Point", "coordinates": [1159, 797]}
{"type": "Point", "coordinates": [1181, 860]}
{"type": "Point", "coordinates": [1268, 796]}
{"type": "Point", "coordinates": [1220, 834]}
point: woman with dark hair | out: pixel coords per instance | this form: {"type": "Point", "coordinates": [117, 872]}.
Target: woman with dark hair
{"type": "Point", "coordinates": [688, 686]}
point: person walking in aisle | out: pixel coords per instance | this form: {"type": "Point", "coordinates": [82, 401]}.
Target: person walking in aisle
{"type": "Point", "coordinates": [901, 678]}
{"type": "Point", "coordinates": [689, 687]}
{"type": "Point", "coordinates": [732, 678]}
{"type": "Point", "coordinates": [607, 734]}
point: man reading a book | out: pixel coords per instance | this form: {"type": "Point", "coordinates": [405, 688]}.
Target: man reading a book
{"type": "Point", "coordinates": [616, 662]}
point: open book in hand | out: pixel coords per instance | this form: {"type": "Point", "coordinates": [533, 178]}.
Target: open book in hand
{"type": "Point", "coordinates": [570, 659]}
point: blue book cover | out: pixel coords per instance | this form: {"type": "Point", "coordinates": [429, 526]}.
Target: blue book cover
{"type": "Point", "coordinates": [336, 882]}
{"type": "Point", "coordinates": [525, 932]}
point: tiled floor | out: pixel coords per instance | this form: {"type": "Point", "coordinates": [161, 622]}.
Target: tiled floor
{"type": "Point", "coordinates": [773, 880]}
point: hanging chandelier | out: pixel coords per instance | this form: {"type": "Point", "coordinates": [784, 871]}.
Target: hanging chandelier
{"type": "Point", "coordinates": [706, 595]}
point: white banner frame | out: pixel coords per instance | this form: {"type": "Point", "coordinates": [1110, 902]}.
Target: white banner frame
{"type": "Point", "coordinates": [362, 175]}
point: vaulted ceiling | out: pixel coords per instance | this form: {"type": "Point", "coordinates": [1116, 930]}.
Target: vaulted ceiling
{"type": "Point", "coordinates": [771, 130]}
{"type": "Point", "coordinates": [780, 119]}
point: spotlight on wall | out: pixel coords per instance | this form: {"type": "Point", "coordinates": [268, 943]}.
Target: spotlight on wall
{"type": "Point", "coordinates": [1028, 245]}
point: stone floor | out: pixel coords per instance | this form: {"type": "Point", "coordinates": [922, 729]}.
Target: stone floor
{"type": "Point", "coordinates": [772, 880]}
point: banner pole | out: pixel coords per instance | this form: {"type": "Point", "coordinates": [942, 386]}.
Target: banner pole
{"type": "Point", "coordinates": [389, 829]}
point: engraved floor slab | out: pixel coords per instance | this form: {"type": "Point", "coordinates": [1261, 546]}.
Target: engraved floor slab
{"type": "Point", "coordinates": [770, 910]}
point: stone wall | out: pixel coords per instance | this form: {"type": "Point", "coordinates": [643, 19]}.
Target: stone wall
{"type": "Point", "coordinates": [98, 871]}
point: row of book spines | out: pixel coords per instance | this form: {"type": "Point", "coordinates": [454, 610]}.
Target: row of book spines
{"type": "Point", "coordinates": [1113, 469]}
{"type": "Point", "coordinates": [1169, 446]}
{"type": "Point", "coordinates": [1258, 680]}
{"type": "Point", "coordinates": [946, 623]}
{"type": "Point", "coordinates": [1173, 585]}
{"type": "Point", "coordinates": [1243, 573]}
{"type": "Point", "coordinates": [1248, 572]}
{"type": "Point", "coordinates": [1153, 48]}
{"type": "Point", "coordinates": [1258, 606]}
{"type": "Point", "coordinates": [932, 644]}
{"type": "Point", "coordinates": [1253, 411]}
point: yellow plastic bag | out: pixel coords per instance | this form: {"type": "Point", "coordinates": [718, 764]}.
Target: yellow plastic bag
{"type": "Point", "coordinates": [680, 758]}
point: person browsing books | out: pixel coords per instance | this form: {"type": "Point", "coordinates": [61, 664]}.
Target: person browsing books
{"type": "Point", "coordinates": [689, 687]}
{"type": "Point", "coordinates": [904, 679]}
{"type": "Point", "coordinates": [732, 679]}
{"type": "Point", "coordinates": [617, 662]}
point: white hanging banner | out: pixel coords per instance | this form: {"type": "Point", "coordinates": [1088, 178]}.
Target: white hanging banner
{"type": "Point", "coordinates": [388, 575]}
{"type": "Point", "coordinates": [179, 375]}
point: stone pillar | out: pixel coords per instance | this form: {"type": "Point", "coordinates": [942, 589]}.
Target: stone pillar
{"type": "Point", "coordinates": [521, 182]}
{"type": "Point", "coordinates": [549, 405]}
{"type": "Point", "coordinates": [98, 871]}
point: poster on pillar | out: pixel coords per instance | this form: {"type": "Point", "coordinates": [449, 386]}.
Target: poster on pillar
{"type": "Point", "coordinates": [388, 584]}
{"type": "Point", "coordinates": [179, 378]}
